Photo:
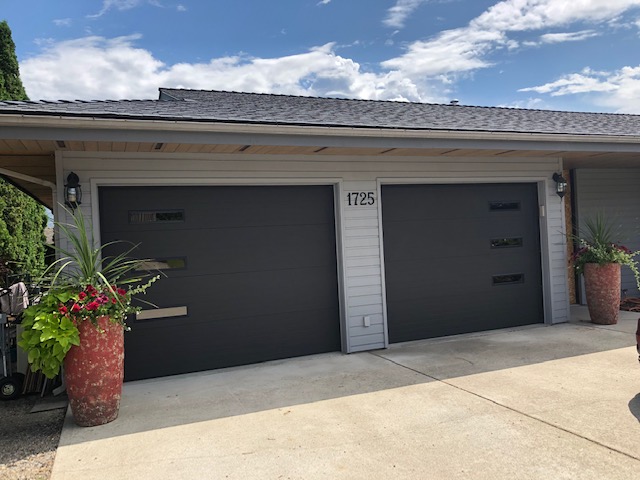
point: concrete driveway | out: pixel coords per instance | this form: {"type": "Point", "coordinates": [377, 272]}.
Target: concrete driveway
{"type": "Point", "coordinates": [539, 402]}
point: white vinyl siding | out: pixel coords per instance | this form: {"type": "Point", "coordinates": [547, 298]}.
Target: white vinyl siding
{"type": "Point", "coordinates": [616, 193]}
{"type": "Point", "coordinates": [359, 227]}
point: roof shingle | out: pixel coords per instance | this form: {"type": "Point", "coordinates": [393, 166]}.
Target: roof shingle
{"type": "Point", "coordinates": [270, 109]}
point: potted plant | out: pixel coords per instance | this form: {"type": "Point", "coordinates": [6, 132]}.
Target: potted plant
{"type": "Point", "coordinates": [599, 258]}
{"type": "Point", "coordinates": [79, 322]}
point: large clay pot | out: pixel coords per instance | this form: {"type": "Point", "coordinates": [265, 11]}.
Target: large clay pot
{"type": "Point", "coordinates": [94, 372]}
{"type": "Point", "coordinates": [602, 285]}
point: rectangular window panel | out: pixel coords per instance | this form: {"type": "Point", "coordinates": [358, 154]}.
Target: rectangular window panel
{"type": "Point", "coordinates": [506, 242]}
{"type": "Point", "coordinates": [504, 206]}
{"type": "Point", "coordinates": [508, 279]}
{"type": "Point", "coordinates": [163, 216]}
{"type": "Point", "coordinates": [164, 263]}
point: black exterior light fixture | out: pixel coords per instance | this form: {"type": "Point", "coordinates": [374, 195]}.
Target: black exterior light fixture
{"type": "Point", "coordinates": [561, 184]}
{"type": "Point", "coordinates": [72, 191]}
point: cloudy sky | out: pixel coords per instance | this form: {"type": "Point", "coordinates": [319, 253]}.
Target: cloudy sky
{"type": "Point", "coordinates": [580, 55]}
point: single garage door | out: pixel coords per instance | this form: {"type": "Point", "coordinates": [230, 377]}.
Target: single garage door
{"type": "Point", "coordinates": [251, 274]}
{"type": "Point", "coordinates": [460, 258]}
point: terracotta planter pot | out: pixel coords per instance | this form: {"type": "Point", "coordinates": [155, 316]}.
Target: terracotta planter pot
{"type": "Point", "coordinates": [94, 372]}
{"type": "Point", "coordinates": [602, 285]}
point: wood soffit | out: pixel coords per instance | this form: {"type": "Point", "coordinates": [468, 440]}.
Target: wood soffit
{"type": "Point", "coordinates": [36, 158]}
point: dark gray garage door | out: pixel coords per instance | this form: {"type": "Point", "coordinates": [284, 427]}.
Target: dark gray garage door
{"type": "Point", "coordinates": [460, 258]}
{"type": "Point", "coordinates": [255, 267]}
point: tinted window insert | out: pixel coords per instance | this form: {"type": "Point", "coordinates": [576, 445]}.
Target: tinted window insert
{"type": "Point", "coordinates": [504, 206]}
{"type": "Point", "coordinates": [164, 216]}
{"type": "Point", "coordinates": [164, 263]}
{"type": "Point", "coordinates": [506, 242]}
{"type": "Point", "coordinates": [508, 279]}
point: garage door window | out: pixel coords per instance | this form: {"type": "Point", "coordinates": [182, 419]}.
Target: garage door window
{"type": "Point", "coordinates": [176, 263]}
{"type": "Point", "coordinates": [509, 279]}
{"type": "Point", "coordinates": [166, 216]}
{"type": "Point", "coordinates": [506, 242]}
{"type": "Point", "coordinates": [504, 206]}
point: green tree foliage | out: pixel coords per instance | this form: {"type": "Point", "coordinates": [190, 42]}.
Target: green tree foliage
{"type": "Point", "coordinates": [10, 84]}
{"type": "Point", "coordinates": [22, 223]}
{"type": "Point", "coordinates": [22, 219]}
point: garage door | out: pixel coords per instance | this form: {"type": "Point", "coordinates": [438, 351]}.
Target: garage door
{"type": "Point", "coordinates": [460, 258]}
{"type": "Point", "coordinates": [251, 274]}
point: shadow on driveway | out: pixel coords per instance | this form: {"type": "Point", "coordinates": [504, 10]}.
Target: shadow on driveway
{"type": "Point", "coordinates": [634, 406]}
{"type": "Point", "coordinates": [199, 397]}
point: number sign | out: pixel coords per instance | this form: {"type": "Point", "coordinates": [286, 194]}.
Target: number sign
{"type": "Point", "coordinates": [361, 199]}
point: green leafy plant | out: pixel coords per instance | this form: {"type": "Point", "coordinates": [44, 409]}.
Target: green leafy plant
{"type": "Point", "coordinates": [48, 335]}
{"type": "Point", "coordinates": [597, 244]}
{"type": "Point", "coordinates": [80, 286]}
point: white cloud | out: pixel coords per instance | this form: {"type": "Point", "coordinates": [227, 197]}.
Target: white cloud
{"type": "Point", "coordinates": [99, 68]}
{"type": "Point", "coordinates": [530, 104]}
{"type": "Point", "coordinates": [568, 37]}
{"type": "Point", "coordinates": [62, 22]}
{"type": "Point", "coordinates": [458, 50]}
{"type": "Point", "coordinates": [44, 42]}
{"type": "Point", "coordinates": [572, 84]}
{"type": "Point", "coordinates": [398, 14]}
{"type": "Point", "coordinates": [122, 5]}
{"type": "Point", "coordinates": [470, 47]}
{"type": "Point", "coordinates": [323, 2]}
{"type": "Point", "coordinates": [618, 90]}
{"type": "Point", "coordinates": [523, 15]}
{"type": "Point", "coordinates": [181, 8]}
{"type": "Point", "coordinates": [96, 67]}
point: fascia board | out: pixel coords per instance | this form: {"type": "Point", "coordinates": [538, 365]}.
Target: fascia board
{"type": "Point", "coordinates": [73, 128]}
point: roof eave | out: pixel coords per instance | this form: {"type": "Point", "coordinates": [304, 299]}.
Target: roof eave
{"type": "Point", "coordinates": [101, 123]}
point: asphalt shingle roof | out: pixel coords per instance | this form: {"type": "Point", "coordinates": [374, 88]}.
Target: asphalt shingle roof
{"type": "Point", "coordinates": [270, 109]}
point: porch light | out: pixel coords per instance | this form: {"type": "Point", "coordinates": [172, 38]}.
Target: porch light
{"type": "Point", "coordinates": [561, 184]}
{"type": "Point", "coordinates": [72, 191]}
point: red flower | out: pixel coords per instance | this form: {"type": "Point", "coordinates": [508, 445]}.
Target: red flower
{"type": "Point", "coordinates": [113, 300]}
{"type": "Point", "coordinates": [580, 252]}
{"type": "Point", "coordinates": [122, 291]}
{"type": "Point", "coordinates": [82, 295]}
{"type": "Point", "coordinates": [63, 310]}
{"type": "Point", "coordinates": [92, 306]}
{"type": "Point", "coordinates": [76, 308]}
{"type": "Point", "coordinates": [91, 289]}
{"type": "Point", "coordinates": [623, 249]}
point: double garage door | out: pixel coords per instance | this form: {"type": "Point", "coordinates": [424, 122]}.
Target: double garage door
{"type": "Point", "coordinates": [250, 274]}
{"type": "Point", "coordinates": [460, 258]}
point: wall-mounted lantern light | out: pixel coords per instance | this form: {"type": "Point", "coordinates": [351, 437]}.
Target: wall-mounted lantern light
{"type": "Point", "coordinates": [561, 184]}
{"type": "Point", "coordinates": [72, 191]}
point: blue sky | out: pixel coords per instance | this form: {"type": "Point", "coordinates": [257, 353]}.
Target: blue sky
{"type": "Point", "coordinates": [577, 55]}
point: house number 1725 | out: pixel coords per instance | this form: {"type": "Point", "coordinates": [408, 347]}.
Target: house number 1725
{"type": "Point", "coordinates": [360, 198]}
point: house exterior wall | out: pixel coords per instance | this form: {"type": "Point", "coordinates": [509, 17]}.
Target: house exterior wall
{"type": "Point", "coordinates": [359, 228]}
{"type": "Point", "coordinates": [616, 193]}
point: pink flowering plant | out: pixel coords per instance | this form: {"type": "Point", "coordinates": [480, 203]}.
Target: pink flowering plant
{"type": "Point", "coordinates": [92, 303]}
{"type": "Point", "coordinates": [82, 285]}
{"type": "Point", "coordinates": [596, 244]}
